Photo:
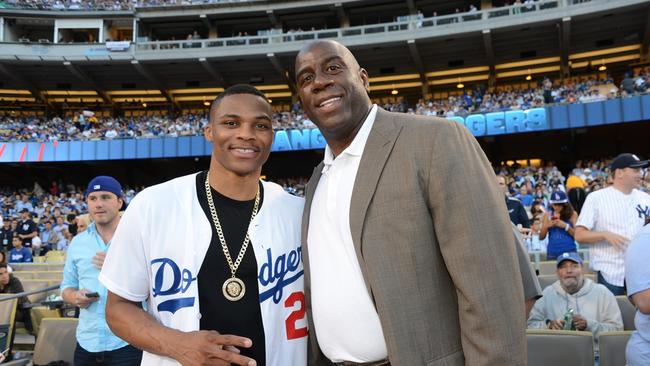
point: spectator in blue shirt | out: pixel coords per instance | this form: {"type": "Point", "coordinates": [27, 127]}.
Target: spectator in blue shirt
{"type": "Point", "coordinates": [84, 260]}
{"type": "Point", "coordinates": [525, 197]}
{"type": "Point", "coordinates": [19, 254]}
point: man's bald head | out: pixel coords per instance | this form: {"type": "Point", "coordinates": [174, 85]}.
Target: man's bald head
{"type": "Point", "coordinates": [339, 48]}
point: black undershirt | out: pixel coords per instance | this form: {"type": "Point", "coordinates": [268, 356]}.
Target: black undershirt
{"type": "Point", "coordinates": [242, 317]}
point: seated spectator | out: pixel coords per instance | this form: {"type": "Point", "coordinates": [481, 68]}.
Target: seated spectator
{"type": "Point", "coordinates": [525, 197]}
{"type": "Point", "coordinates": [590, 306]}
{"type": "Point", "coordinates": [49, 237]}
{"type": "Point", "coordinates": [518, 215]}
{"type": "Point", "coordinates": [532, 240]}
{"type": "Point", "coordinates": [82, 222]}
{"type": "Point", "coordinates": [11, 285]}
{"type": "Point", "coordinates": [559, 225]}
{"type": "Point", "coordinates": [637, 277]}
{"type": "Point", "coordinates": [6, 235]}
{"type": "Point", "coordinates": [19, 254]}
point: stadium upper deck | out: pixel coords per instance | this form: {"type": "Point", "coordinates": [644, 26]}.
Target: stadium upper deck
{"type": "Point", "coordinates": [187, 54]}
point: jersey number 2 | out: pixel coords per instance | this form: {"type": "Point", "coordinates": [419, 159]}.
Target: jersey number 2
{"type": "Point", "coordinates": [292, 332]}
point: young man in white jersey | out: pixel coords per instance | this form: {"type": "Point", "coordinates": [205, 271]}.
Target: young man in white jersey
{"type": "Point", "coordinates": [216, 255]}
{"type": "Point", "coordinates": [610, 217]}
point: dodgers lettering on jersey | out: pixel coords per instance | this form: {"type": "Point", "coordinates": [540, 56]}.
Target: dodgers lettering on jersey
{"type": "Point", "coordinates": [281, 291]}
{"type": "Point", "coordinates": [169, 281]}
{"type": "Point", "coordinates": [273, 273]}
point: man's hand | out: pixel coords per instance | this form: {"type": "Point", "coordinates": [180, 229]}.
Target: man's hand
{"type": "Point", "coordinates": [556, 324]}
{"type": "Point", "coordinates": [81, 300]}
{"type": "Point", "coordinates": [617, 241]}
{"type": "Point", "coordinates": [211, 348]}
{"type": "Point", "coordinates": [579, 322]}
{"type": "Point", "coordinates": [98, 260]}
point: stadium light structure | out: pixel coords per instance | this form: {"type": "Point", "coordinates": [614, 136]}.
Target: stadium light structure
{"type": "Point", "coordinates": [460, 84]}
{"type": "Point", "coordinates": [529, 77]}
{"type": "Point", "coordinates": [602, 66]}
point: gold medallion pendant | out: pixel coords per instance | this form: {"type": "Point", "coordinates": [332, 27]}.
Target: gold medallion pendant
{"type": "Point", "coordinates": [233, 289]}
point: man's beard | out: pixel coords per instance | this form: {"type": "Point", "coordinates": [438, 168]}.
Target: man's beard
{"type": "Point", "coordinates": [572, 285]}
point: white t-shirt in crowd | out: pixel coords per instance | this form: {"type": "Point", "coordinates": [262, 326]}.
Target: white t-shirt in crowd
{"type": "Point", "coordinates": [611, 210]}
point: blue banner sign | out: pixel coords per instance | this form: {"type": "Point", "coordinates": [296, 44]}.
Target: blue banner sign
{"type": "Point", "coordinates": [579, 115]}
{"type": "Point", "coordinates": [500, 123]}
{"type": "Point", "coordinates": [289, 140]}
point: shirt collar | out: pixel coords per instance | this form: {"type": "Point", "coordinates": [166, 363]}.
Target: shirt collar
{"type": "Point", "coordinates": [92, 229]}
{"type": "Point", "coordinates": [358, 143]}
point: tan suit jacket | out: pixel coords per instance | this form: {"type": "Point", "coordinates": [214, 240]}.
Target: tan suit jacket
{"type": "Point", "coordinates": [435, 246]}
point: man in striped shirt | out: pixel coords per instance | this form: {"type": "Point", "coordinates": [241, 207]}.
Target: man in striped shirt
{"type": "Point", "coordinates": [610, 217]}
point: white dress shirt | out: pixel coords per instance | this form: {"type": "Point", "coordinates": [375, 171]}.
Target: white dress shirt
{"type": "Point", "coordinates": [345, 319]}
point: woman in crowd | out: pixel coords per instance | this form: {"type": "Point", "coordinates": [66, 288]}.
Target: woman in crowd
{"type": "Point", "coordinates": [559, 225]}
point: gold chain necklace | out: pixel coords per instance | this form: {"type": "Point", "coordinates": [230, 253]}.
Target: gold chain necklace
{"type": "Point", "coordinates": [233, 288]}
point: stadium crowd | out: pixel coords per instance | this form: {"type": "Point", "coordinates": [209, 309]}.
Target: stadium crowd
{"type": "Point", "coordinates": [84, 127]}
{"type": "Point", "coordinates": [63, 206]}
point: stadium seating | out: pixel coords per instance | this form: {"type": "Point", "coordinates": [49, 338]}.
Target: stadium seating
{"type": "Point", "coordinates": [49, 275]}
{"type": "Point", "coordinates": [7, 321]}
{"type": "Point", "coordinates": [56, 340]}
{"type": "Point", "coordinates": [612, 347]}
{"type": "Point", "coordinates": [31, 267]}
{"type": "Point", "coordinates": [559, 348]}
{"type": "Point", "coordinates": [30, 285]}
{"type": "Point", "coordinates": [627, 311]}
{"type": "Point", "coordinates": [38, 313]}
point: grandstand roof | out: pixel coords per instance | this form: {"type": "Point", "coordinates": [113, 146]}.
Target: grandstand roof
{"type": "Point", "coordinates": [533, 42]}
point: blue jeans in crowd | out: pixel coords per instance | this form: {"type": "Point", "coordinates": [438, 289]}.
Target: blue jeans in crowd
{"type": "Point", "coordinates": [616, 290]}
{"type": "Point", "coordinates": [125, 356]}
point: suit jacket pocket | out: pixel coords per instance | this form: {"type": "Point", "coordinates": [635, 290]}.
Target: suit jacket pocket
{"type": "Point", "coordinates": [452, 359]}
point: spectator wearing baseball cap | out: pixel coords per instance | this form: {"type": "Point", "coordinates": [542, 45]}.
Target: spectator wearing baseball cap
{"type": "Point", "coordinates": [627, 160]}
{"type": "Point", "coordinates": [104, 183]}
{"type": "Point", "coordinates": [612, 216]}
{"type": "Point", "coordinates": [559, 225]}
{"type": "Point", "coordinates": [593, 306]}
{"type": "Point", "coordinates": [26, 228]}
{"type": "Point", "coordinates": [84, 261]}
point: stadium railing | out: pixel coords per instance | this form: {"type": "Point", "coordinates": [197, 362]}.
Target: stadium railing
{"type": "Point", "coordinates": [405, 23]}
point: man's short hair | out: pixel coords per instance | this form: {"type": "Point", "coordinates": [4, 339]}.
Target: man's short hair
{"type": "Point", "coordinates": [3, 265]}
{"type": "Point", "coordinates": [237, 89]}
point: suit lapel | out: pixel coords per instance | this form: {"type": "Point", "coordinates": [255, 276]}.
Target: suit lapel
{"type": "Point", "coordinates": [314, 352]}
{"type": "Point", "coordinates": [380, 143]}
{"type": "Point", "coordinates": [309, 196]}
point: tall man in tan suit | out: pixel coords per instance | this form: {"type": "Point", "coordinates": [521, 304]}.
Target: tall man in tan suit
{"type": "Point", "coordinates": [409, 257]}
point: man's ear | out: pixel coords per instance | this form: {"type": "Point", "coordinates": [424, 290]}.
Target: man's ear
{"type": "Point", "coordinates": [207, 131]}
{"type": "Point", "coordinates": [363, 74]}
